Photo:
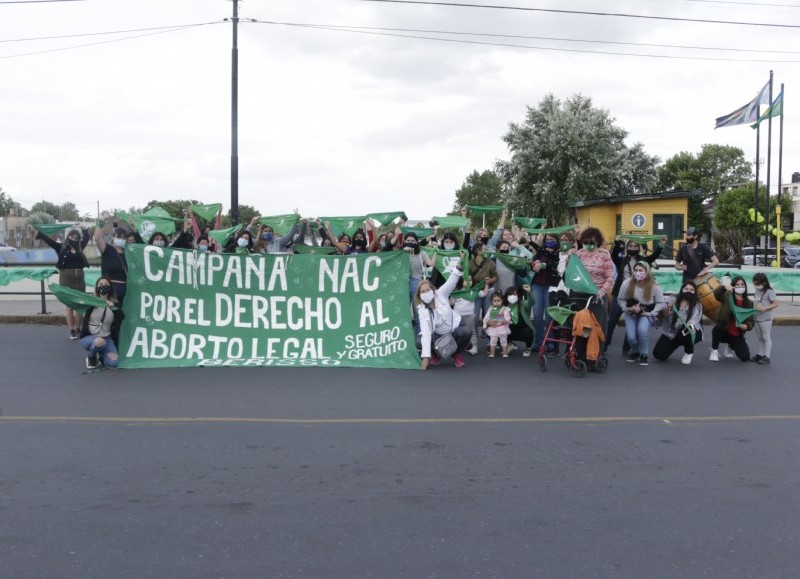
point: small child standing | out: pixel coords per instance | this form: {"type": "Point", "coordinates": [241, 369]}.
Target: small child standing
{"type": "Point", "coordinates": [764, 300]}
{"type": "Point", "coordinates": [497, 324]}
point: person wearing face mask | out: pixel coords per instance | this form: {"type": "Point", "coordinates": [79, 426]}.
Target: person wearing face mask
{"type": "Point", "coordinates": [682, 327]}
{"type": "Point", "coordinates": [267, 241]}
{"type": "Point", "coordinates": [597, 261]}
{"type": "Point", "coordinates": [522, 328]}
{"type": "Point", "coordinates": [726, 330]}
{"type": "Point", "coordinates": [70, 265]}
{"type": "Point", "coordinates": [204, 245]}
{"type": "Point", "coordinates": [242, 243]}
{"type": "Point", "coordinates": [113, 264]}
{"type": "Point", "coordinates": [100, 328]}
{"type": "Point", "coordinates": [418, 264]}
{"type": "Point", "coordinates": [641, 298]}
{"type": "Point", "coordinates": [693, 255]}
{"type": "Point", "coordinates": [765, 300]}
{"type": "Point", "coordinates": [545, 276]}
{"type": "Point", "coordinates": [437, 318]}
{"type": "Point", "coordinates": [625, 253]}
{"type": "Point", "coordinates": [482, 269]}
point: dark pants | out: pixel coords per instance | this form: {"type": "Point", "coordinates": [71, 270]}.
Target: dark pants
{"type": "Point", "coordinates": [613, 320]}
{"type": "Point", "coordinates": [600, 312]}
{"type": "Point", "coordinates": [720, 335]}
{"type": "Point", "coordinates": [521, 332]}
{"type": "Point", "coordinates": [666, 346]}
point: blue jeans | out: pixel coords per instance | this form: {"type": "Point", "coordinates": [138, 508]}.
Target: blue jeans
{"type": "Point", "coordinates": [541, 319]}
{"type": "Point", "coordinates": [638, 331]}
{"type": "Point", "coordinates": [413, 284]}
{"type": "Point", "coordinates": [88, 343]}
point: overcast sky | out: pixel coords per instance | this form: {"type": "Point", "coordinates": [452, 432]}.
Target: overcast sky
{"type": "Point", "coordinates": [345, 123]}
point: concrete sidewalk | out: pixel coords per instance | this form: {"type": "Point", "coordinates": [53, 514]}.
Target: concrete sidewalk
{"type": "Point", "coordinates": [28, 310]}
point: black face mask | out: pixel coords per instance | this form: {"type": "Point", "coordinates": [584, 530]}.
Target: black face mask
{"type": "Point", "coordinates": [484, 240]}
{"type": "Point", "coordinates": [104, 290]}
{"type": "Point", "coordinates": [360, 243]}
{"type": "Point", "coordinates": [633, 252]}
{"type": "Point", "coordinates": [503, 251]}
{"type": "Point", "coordinates": [689, 297]}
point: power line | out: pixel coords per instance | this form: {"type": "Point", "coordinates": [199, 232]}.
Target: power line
{"type": "Point", "coordinates": [543, 48]}
{"type": "Point", "coordinates": [586, 13]}
{"type": "Point", "coordinates": [176, 26]}
{"type": "Point", "coordinates": [174, 29]}
{"type": "Point", "coordinates": [35, 1]}
{"type": "Point", "coordinates": [551, 38]}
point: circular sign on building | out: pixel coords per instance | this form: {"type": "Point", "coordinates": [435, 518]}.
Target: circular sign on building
{"type": "Point", "coordinates": [638, 220]}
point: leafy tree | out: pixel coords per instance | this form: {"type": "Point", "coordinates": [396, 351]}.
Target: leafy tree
{"type": "Point", "coordinates": [7, 204]}
{"type": "Point", "coordinates": [733, 210]}
{"type": "Point", "coordinates": [484, 188]}
{"type": "Point", "coordinates": [567, 151]}
{"type": "Point", "coordinates": [246, 213]}
{"type": "Point", "coordinates": [40, 217]}
{"type": "Point", "coordinates": [679, 173]}
{"type": "Point", "coordinates": [45, 207]}
{"type": "Point", "coordinates": [174, 207]}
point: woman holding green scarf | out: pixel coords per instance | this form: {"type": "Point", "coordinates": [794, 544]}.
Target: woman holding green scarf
{"type": "Point", "coordinates": [519, 302]}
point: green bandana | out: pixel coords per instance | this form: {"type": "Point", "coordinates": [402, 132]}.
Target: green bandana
{"type": "Point", "coordinates": [386, 218]}
{"type": "Point", "coordinates": [207, 212]}
{"type": "Point", "coordinates": [451, 222]}
{"type": "Point", "coordinates": [483, 209]}
{"type": "Point", "coordinates": [530, 222]}
{"type": "Point", "coordinates": [281, 224]}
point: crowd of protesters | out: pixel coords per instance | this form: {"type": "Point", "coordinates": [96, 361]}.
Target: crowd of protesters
{"type": "Point", "coordinates": [508, 307]}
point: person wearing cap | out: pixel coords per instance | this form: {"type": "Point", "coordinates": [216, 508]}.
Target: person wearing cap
{"type": "Point", "coordinates": [692, 257]}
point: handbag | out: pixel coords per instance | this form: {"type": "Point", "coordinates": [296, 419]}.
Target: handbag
{"type": "Point", "coordinates": [445, 344]}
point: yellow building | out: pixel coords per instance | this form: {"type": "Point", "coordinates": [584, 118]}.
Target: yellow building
{"type": "Point", "coordinates": [655, 214]}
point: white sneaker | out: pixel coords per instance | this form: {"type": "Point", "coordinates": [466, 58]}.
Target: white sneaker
{"type": "Point", "coordinates": [687, 359]}
{"type": "Point", "coordinates": [512, 346]}
{"type": "Point", "coordinates": [473, 350]}
{"type": "Point", "coordinates": [728, 352]}
{"type": "Point", "coordinates": [714, 357]}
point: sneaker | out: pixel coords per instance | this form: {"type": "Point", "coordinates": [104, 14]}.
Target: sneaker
{"type": "Point", "coordinates": [473, 351]}
{"type": "Point", "coordinates": [763, 360]}
{"type": "Point", "coordinates": [73, 335]}
{"type": "Point", "coordinates": [458, 360]}
{"type": "Point", "coordinates": [687, 359]}
{"type": "Point", "coordinates": [505, 354]}
{"type": "Point", "coordinates": [633, 357]}
{"type": "Point", "coordinates": [91, 361]}
{"type": "Point", "coordinates": [714, 357]}
{"type": "Point", "coordinates": [729, 353]}
{"type": "Point", "coordinates": [526, 353]}
{"type": "Point", "coordinates": [434, 361]}
{"type": "Point", "coordinates": [756, 358]}
{"type": "Point", "coordinates": [490, 355]}
{"type": "Point", "coordinates": [512, 346]}
{"type": "Point", "coordinates": [643, 361]}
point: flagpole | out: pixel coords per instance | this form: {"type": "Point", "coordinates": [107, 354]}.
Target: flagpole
{"type": "Point", "coordinates": [780, 181]}
{"type": "Point", "coordinates": [769, 171]}
{"type": "Point", "coordinates": [755, 195]}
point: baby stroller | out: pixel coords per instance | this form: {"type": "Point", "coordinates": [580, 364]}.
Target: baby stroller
{"type": "Point", "coordinates": [559, 331]}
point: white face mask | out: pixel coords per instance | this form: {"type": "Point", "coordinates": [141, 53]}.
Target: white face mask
{"type": "Point", "coordinates": [449, 245]}
{"type": "Point", "coordinates": [119, 242]}
{"type": "Point", "coordinates": [740, 290]}
{"type": "Point", "coordinates": [512, 299]}
{"type": "Point", "coordinates": [758, 287]}
{"type": "Point", "coordinates": [242, 242]}
{"type": "Point", "coordinates": [426, 297]}
{"type": "Point", "coordinates": [639, 275]}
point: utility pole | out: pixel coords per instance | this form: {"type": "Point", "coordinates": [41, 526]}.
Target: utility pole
{"type": "Point", "coordinates": [235, 117]}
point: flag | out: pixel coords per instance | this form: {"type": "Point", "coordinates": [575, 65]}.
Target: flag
{"type": "Point", "coordinates": [348, 225]}
{"type": "Point", "coordinates": [420, 232]}
{"type": "Point", "coordinates": [281, 224]}
{"type": "Point", "coordinates": [386, 218]}
{"type": "Point", "coordinates": [222, 236]}
{"type": "Point", "coordinates": [529, 222]}
{"type": "Point", "coordinates": [147, 225]}
{"type": "Point", "coordinates": [554, 230]}
{"type": "Point", "coordinates": [451, 222]}
{"type": "Point", "coordinates": [207, 212]}
{"type": "Point", "coordinates": [48, 230]}
{"type": "Point", "coordinates": [774, 110]}
{"type": "Point", "coordinates": [577, 278]}
{"type": "Point", "coordinates": [445, 260]}
{"type": "Point", "coordinates": [746, 114]}
{"type": "Point", "coordinates": [484, 209]}
{"type": "Point", "coordinates": [470, 294]}
{"type": "Point", "coordinates": [77, 300]}
{"type": "Point", "coordinates": [740, 314]}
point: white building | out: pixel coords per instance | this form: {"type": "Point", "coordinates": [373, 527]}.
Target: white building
{"type": "Point", "coordinates": [793, 191]}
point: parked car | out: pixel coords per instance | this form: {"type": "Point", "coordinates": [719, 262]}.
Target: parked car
{"type": "Point", "coordinates": [791, 255]}
{"type": "Point", "coordinates": [747, 256]}
{"type": "Point", "coordinates": [5, 247]}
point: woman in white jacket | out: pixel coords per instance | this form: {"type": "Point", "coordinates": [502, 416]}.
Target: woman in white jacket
{"type": "Point", "coordinates": [437, 318]}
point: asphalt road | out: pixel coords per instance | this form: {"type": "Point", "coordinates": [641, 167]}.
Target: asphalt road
{"type": "Point", "coordinates": [494, 470]}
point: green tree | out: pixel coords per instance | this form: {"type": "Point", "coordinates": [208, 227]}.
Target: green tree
{"type": "Point", "coordinates": [45, 207]}
{"type": "Point", "coordinates": [40, 217]}
{"type": "Point", "coordinates": [7, 204]}
{"type": "Point", "coordinates": [174, 207]}
{"type": "Point", "coordinates": [246, 214]}
{"type": "Point", "coordinates": [732, 211]}
{"type": "Point", "coordinates": [484, 188]}
{"type": "Point", "coordinates": [569, 150]}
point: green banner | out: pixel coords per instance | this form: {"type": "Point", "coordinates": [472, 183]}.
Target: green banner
{"type": "Point", "coordinates": [281, 224]}
{"type": "Point", "coordinates": [313, 249]}
{"type": "Point", "coordinates": [186, 309]}
{"type": "Point", "coordinates": [444, 260]}
{"type": "Point", "coordinates": [78, 301]}
{"type": "Point", "coordinates": [640, 239]}
{"type": "Point", "coordinates": [147, 225]}
{"type": "Point", "coordinates": [161, 213]}
{"type": "Point", "coordinates": [420, 232]}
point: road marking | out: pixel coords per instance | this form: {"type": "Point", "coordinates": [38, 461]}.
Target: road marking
{"type": "Point", "coordinates": [543, 420]}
